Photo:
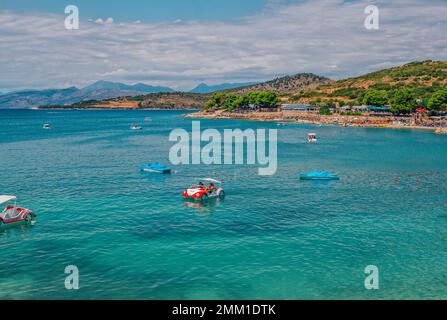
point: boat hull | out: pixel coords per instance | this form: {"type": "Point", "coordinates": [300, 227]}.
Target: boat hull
{"type": "Point", "coordinates": [164, 171]}
{"type": "Point", "coordinates": [202, 195]}
{"type": "Point", "coordinates": [319, 178]}
{"type": "Point", "coordinates": [26, 217]}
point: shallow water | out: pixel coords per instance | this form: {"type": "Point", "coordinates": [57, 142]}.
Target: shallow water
{"type": "Point", "coordinates": [133, 237]}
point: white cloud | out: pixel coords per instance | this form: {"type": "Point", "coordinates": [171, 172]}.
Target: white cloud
{"type": "Point", "coordinates": [108, 21]}
{"type": "Point", "coordinates": [326, 37]}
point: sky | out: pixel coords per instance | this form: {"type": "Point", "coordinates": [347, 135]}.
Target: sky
{"type": "Point", "coordinates": [180, 43]}
{"type": "Point", "coordinates": [144, 10]}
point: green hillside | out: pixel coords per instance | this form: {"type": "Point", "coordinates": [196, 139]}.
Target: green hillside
{"type": "Point", "coordinates": [413, 84]}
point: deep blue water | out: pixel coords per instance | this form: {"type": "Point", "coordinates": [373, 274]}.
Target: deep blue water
{"type": "Point", "coordinates": [133, 237]}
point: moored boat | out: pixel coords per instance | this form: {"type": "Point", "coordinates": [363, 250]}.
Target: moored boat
{"type": "Point", "coordinates": [156, 168]}
{"type": "Point", "coordinates": [312, 137]}
{"type": "Point", "coordinates": [12, 214]}
{"type": "Point", "coordinates": [135, 127]}
{"type": "Point", "coordinates": [323, 175]}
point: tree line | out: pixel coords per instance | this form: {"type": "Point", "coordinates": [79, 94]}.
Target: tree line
{"type": "Point", "coordinates": [401, 101]}
{"type": "Point", "coordinates": [230, 101]}
{"type": "Point", "coordinates": [405, 101]}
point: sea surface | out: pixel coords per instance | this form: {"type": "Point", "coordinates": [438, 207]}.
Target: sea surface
{"type": "Point", "coordinates": [132, 236]}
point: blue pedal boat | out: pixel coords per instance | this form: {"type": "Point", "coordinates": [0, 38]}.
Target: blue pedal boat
{"type": "Point", "coordinates": [156, 168]}
{"type": "Point", "coordinates": [323, 175]}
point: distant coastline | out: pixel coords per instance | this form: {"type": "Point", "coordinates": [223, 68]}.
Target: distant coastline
{"type": "Point", "coordinates": [106, 109]}
{"type": "Point", "coordinates": [410, 96]}
{"type": "Point", "coordinates": [154, 101]}
{"type": "Point", "coordinates": [390, 122]}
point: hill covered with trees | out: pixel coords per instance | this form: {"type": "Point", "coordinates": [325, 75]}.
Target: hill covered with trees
{"type": "Point", "coordinates": [404, 88]}
{"type": "Point", "coordinates": [285, 85]}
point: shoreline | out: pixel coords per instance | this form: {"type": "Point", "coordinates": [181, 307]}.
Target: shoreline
{"type": "Point", "coordinates": [105, 109]}
{"type": "Point", "coordinates": [317, 119]}
{"type": "Point", "coordinates": [359, 121]}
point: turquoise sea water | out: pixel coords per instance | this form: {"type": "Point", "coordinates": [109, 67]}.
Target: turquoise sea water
{"type": "Point", "coordinates": [133, 237]}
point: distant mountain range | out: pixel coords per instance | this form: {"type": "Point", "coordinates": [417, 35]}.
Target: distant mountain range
{"type": "Point", "coordinates": [190, 100]}
{"type": "Point", "coordinates": [139, 87]}
{"type": "Point", "coordinates": [97, 91]}
{"type": "Point", "coordinates": [103, 90]}
{"type": "Point", "coordinates": [204, 88]}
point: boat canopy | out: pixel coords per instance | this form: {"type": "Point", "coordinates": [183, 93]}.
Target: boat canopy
{"type": "Point", "coordinates": [4, 199]}
{"type": "Point", "coordinates": [311, 134]}
{"type": "Point", "coordinates": [211, 180]}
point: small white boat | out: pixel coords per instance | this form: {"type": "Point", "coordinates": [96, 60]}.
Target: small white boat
{"type": "Point", "coordinates": [312, 138]}
{"type": "Point", "coordinates": [135, 127]}
{"type": "Point", "coordinates": [46, 126]}
{"type": "Point", "coordinates": [148, 119]}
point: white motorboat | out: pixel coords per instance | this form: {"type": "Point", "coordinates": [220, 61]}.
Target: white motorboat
{"type": "Point", "coordinates": [312, 138]}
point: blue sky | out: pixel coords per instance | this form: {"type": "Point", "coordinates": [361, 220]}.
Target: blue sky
{"type": "Point", "coordinates": [180, 43]}
{"type": "Point", "coordinates": [145, 11]}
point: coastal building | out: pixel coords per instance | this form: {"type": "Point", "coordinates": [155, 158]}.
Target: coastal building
{"type": "Point", "coordinates": [359, 108]}
{"type": "Point", "coordinates": [298, 107]}
{"type": "Point", "coordinates": [372, 110]}
{"type": "Point", "coordinates": [345, 109]}
{"type": "Point", "coordinates": [381, 109]}
{"type": "Point", "coordinates": [253, 107]}
{"type": "Point", "coordinates": [376, 111]}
